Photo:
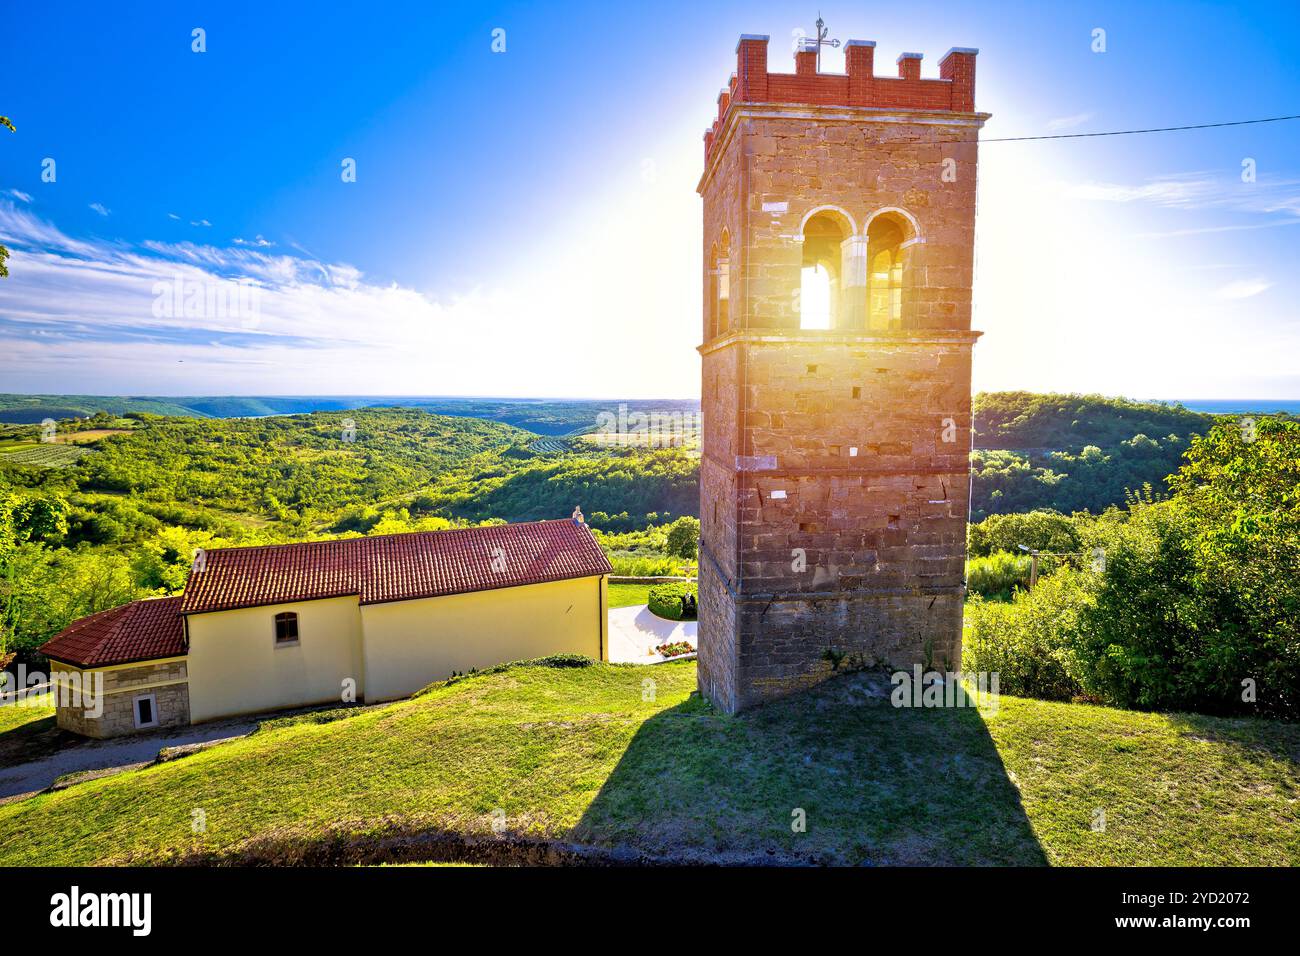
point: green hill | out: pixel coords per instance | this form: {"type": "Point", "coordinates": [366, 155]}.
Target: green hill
{"type": "Point", "coordinates": [579, 755]}
{"type": "Point", "coordinates": [1073, 453]}
{"type": "Point", "coordinates": [543, 416]}
{"type": "Point", "coordinates": [31, 409]}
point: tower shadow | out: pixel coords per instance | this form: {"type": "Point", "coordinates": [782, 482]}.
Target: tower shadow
{"type": "Point", "coordinates": [834, 776]}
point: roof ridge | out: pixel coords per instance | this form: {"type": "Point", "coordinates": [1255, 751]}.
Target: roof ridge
{"type": "Point", "coordinates": [92, 637]}
{"type": "Point", "coordinates": [399, 566]}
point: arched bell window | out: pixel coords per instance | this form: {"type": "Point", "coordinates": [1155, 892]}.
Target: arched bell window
{"type": "Point", "coordinates": [723, 288]}
{"type": "Point", "coordinates": [820, 275]}
{"type": "Point", "coordinates": [719, 286]}
{"type": "Point", "coordinates": [711, 327]}
{"type": "Point", "coordinates": [887, 236]}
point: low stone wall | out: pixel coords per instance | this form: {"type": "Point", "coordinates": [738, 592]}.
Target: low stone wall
{"type": "Point", "coordinates": [658, 579]}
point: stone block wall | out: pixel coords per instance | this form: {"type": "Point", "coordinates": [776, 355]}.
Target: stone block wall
{"type": "Point", "coordinates": [166, 680]}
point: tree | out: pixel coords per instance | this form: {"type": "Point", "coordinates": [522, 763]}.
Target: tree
{"type": "Point", "coordinates": [684, 537]}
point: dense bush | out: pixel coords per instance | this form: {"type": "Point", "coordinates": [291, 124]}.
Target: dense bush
{"type": "Point", "coordinates": [1025, 642]}
{"type": "Point", "coordinates": [644, 566]}
{"type": "Point", "coordinates": [643, 553]}
{"type": "Point", "coordinates": [1198, 605]}
{"type": "Point", "coordinates": [675, 600]}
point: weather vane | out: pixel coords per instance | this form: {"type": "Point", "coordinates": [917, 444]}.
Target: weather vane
{"type": "Point", "coordinates": [821, 39]}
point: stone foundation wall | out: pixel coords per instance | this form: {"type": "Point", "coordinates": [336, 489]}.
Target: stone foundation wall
{"type": "Point", "coordinates": [783, 644]}
{"type": "Point", "coordinates": [166, 680]}
{"type": "Point", "coordinates": [717, 665]}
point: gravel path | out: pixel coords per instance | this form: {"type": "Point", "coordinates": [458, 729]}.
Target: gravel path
{"type": "Point", "coordinates": [111, 756]}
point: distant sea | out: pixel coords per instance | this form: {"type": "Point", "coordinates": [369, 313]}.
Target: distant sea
{"type": "Point", "coordinates": [1235, 406]}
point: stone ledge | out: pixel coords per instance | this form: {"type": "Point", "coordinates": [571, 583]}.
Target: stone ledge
{"type": "Point", "coordinates": [776, 336]}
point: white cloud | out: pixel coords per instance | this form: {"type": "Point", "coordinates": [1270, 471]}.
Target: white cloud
{"type": "Point", "coordinates": [1187, 189]}
{"type": "Point", "coordinates": [1197, 190]}
{"type": "Point", "coordinates": [103, 314]}
{"type": "Point", "coordinates": [578, 314]}
{"type": "Point", "coordinates": [20, 195]}
{"type": "Point", "coordinates": [199, 222]}
{"type": "Point", "coordinates": [1068, 122]}
{"type": "Point", "coordinates": [172, 215]}
{"type": "Point", "coordinates": [1243, 288]}
{"type": "Point", "coordinates": [99, 208]}
{"type": "Point", "coordinates": [259, 241]}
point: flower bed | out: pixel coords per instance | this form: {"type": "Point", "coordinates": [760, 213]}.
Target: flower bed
{"type": "Point", "coordinates": [675, 649]}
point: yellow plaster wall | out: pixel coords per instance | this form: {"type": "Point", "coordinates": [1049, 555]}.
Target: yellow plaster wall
{"type": "Point", "coordinates": [408, 644]}
{"type": "Point", "coordinates": [235, 666]}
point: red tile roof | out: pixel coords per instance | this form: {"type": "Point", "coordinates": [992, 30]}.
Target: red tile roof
{"type": "Point", "coordinates": [392, 567]}
{"type": "Point", "coordinates": [395, 567]}
{"type": "Point", "coordinates": [139, 631]}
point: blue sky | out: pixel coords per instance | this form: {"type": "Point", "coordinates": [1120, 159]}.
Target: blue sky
{"type": "Point", "coordinates": [525, 223]}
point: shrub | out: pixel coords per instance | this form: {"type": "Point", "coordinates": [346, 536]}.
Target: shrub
{"type": "Point", "coordinates": [561, 661]}
{"type": "Point", "coordinates": [1027, 642]}
{"type": "Point", "coordinates": [675, 600]}
{"type": "Point", "coordinates": [997, 575]}
{"type": "Point", "coordinates": [1179, 623]}
{"type": "Point", "coordinates": [643, 567]}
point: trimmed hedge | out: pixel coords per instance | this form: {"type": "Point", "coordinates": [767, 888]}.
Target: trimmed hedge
{"type": "Point", "coordinates": [666, 600]}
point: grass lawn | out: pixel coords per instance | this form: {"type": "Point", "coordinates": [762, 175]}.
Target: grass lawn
{"type": "Point", "coordinates": [27, 730]}
{"type": "Point", "coordinates": [16, 714]}
{"type": "Point", "coordinates": [628, 595]}
{"type": "Point", "coordinates": [577, 754]}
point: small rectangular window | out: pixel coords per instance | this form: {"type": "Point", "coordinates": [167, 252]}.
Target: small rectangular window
{"type": "Point", "coordinates": [286, 628]}
{"type": "Point", "coordinates": [146, 711]}
{"type": "Point", "coordinates": [857, 391]}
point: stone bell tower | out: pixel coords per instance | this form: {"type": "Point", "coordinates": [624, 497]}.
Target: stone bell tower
{"type": "Point", "coordinates": [839, 220]}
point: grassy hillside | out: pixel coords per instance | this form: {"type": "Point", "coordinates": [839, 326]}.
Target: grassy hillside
{"type": "Point", "coordinates": [619, 489]}
{"type": "Point", "coordinates": [1064, 452]}
{"type": "Point", "coordinates": [579, 754]}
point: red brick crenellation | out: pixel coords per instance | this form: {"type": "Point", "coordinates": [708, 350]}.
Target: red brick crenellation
{"type": "Point", "coordinates": [954, 91]}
